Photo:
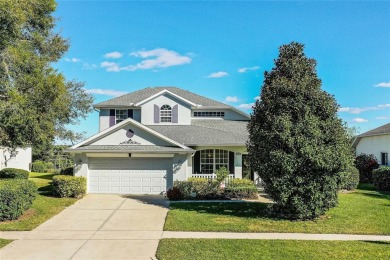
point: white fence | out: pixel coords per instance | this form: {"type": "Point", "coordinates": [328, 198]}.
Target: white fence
{"type": "Point", "coordinates": [212, 176]}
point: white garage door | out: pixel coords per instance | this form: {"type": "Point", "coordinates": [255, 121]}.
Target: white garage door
{"type": "Point", "coordinates": [129, 175]}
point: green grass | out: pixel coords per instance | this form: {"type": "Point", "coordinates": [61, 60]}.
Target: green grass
{"type": "Point", "coordinates": [4, 242]}
{"type": "Point", "coordinates": [363, 211]}
{"type": "Point", "coordinates": [270, 249]}
{"type": "Point", "coordinates": [44, 206]}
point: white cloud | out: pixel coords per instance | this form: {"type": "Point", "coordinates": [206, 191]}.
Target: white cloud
{"type": "Point", "coordinates": [382, 117]}
{"type": "Point", "coordinates": [72, 59]}
{"type": "Point", "coordinates": [231, 99]}
{"type": "Point", "coordinates": [113, 55]}
{"type": "Point", "coordinates": [383, 85]}
{"type": "Point", "coordinates": [359, 120]}
{"type": "Point", "coordinates": [246, 106]}
{"type": "Point", "coordinates": [107, 92]}
{"type": "Point", "coordinates": [110, 66]}
{"type": "Point", "coordinates": [159, 58]}
{"type": "Point", "coordinates": [219, 74]}
{"type": "Point", "coordinates": [88, 66]}
{"type": "Point", "coordinates": [257, 98]}
{"type": "Point", "coordinates": [357, 110]}
{"type": "Point", "coordinates": [245, 69]}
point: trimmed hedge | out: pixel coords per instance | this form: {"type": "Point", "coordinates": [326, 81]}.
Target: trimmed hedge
{"type": "Point", "coordinates": [381, 178]}
{"type": "Point", "coordinates": [240, 182]}
{"type": "Point", "coordinates": [16, 196]}
{"type": "Point", "coordinates": [240, 192]}
{"type": "Point", "coordinates": [13, 173]}
{"type": "Point", "coordinates": [69, 186]}
{"type": "Point", "coordinates": [349, 179]}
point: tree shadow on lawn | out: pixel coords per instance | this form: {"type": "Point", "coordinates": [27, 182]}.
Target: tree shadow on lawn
{"type": "Point", "coordinates": [236, 209]}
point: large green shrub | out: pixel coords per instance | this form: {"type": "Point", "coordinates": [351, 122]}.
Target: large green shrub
{"type": "Point", "coordinates": [381, 177]}
{"type": "Point", "coordinates": [38, 166]}
{"type": "Point", "coordinates": [69, 186]}
{"type": "Point", "coordinates": [366, 163]}
{"type": "Point", "coordinates": [16, 196]}
{"type": "Point", "coordinates": [12, 173]}
{"type": "Point", "coordinates": [297, 143]}
{"type": "Point", "coordinates": [349, 179]}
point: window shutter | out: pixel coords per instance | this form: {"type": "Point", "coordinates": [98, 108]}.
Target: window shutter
{"type": "Point", "coordinates": [156, 114]}
{"type": "Point", "coordinates": [130, 113]}
{"type": "Point", "coordinates": [112, 117]}
{"type": "Point", "coordinates": [175, 114]}
{"type": "Point", "coordinates": [196, 162]}
{"type": "Point", "coordinates": [231, 162]}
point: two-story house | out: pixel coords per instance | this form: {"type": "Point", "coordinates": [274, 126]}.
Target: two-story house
{"type": "Point", "coordinates": [153, 136]}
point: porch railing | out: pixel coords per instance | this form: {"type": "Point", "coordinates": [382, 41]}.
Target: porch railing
{"type": "Point", "coordinates": [212, 176]}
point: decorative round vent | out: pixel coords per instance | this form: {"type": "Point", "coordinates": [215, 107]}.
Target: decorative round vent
{"type": "Point", "coordinates": [130, 133]}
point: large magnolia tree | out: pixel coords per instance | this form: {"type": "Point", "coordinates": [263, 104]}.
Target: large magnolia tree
{"type": "Point", "coordinates": [297, 143]}
{"type": "Point", "coordinates": [36, 101]}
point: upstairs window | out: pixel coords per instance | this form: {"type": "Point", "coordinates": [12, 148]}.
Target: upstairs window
{"type": "Point", "coordinates": [209, 114]}
{"type": "Point", "coordinates": [165, 114]}
{"type": "Point", "coordinates": [120, 115]}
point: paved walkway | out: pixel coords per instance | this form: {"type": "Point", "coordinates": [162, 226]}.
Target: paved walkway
{"type": "Point", "coordinates": [96, 227]}
{"type": "Point", "coordinates": [119, 227]}
{"type": "Point", "coordinates": [287, 236]}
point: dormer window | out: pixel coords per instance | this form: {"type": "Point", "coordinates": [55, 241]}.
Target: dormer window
{"type": "Point", "coordinates": [120, 115]}
{"type": "Point", "coordinates": [166, 114]}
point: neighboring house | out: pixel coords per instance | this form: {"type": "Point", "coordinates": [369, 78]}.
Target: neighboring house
{"type": "Point", "coordinates": [376, 142]}
{"type": "Point", "coordinates": [20, 159]}
{"type": "Point", "coordinates": [151, 137]}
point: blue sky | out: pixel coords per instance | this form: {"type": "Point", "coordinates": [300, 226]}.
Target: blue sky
{"type": "Point", "coordinates": [221, 49]}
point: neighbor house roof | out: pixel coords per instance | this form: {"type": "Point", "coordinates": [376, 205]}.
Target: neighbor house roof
{"type": "Point", "coordinates": [140, 95]}
{"type": "Point", "coordinates": [207, 132]}
{"type": "Point", "coordinates": [382, 130]}
{"type": "Point", "coordinates": [129, 148]}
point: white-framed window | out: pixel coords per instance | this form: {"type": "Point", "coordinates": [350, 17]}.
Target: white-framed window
{"type": "Point", "coordinates": [209, 114]}
{"type": "Point", "coordinates": [166, 114]}
{"type": "Point", "coordinates": [120, 115]}
{"type": "Point", "coordinates": [213, 159]}
{"type": "Point", "coordinates": [384, 158]}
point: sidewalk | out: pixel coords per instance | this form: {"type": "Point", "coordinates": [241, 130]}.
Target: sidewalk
{"type": "Point", "coordinates": [155, 235]}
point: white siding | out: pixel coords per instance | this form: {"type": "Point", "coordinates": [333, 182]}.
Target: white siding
{"type": "Point", "coordinates": [184, 110]}
{"type": "Point", "coordinates": [374, 145]}
{"type": "Point", "coordinates": [22, 160]}
{"type": "Point", "coordinates": [104, 119]}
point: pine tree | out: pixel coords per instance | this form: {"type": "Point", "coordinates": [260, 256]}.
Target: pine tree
{"type": "Point", "coordinates": [297, 143]}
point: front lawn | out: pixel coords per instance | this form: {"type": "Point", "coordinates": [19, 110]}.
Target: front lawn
{"type": "Point", "coordinates": [270, 249]}
{"type": "Point", "coordinates": [4, 242]}
{"type": "Point", "coordinates": [364, 211]}
{"type": "Point", "coordinates": [44, 206]}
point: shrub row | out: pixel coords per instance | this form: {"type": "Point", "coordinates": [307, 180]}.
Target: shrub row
{"type": "Point", "coordinates": [69, 186]}
{"type": "Point", "coordinates": [12, 173]}
{"type": "Point", "coordinates": [40, 166]}
{"type": "Point", "coordinates": [16, 196]}
{"type": "Point", "coordinates": [366, 163]}
{"type": "Point", "coordinates": [199, 188]}
{"type": "Point", "coordinates": [349, 179]}
{"type": "Point", "coordinates": [381, 177]}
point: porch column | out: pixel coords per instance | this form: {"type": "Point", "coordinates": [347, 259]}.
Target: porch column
{"type": "Point", "coordinates": [238, 165]}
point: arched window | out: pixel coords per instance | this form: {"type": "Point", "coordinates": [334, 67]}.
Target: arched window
{"type": "Point", "coordinates": [166, 114]}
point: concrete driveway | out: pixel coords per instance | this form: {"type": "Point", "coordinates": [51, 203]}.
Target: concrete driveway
{"type": "Point", "coordinates": [98, 226]}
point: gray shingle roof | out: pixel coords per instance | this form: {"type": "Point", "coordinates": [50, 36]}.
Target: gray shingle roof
{"type": "Point", "coordinates": [139, 95]}
{"type": "Point", "coordinates": [206, 132]}
{"type": "Point", "coordinates": [130, 148]}
{"type": "Point", "coordinates": [384, 129]}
